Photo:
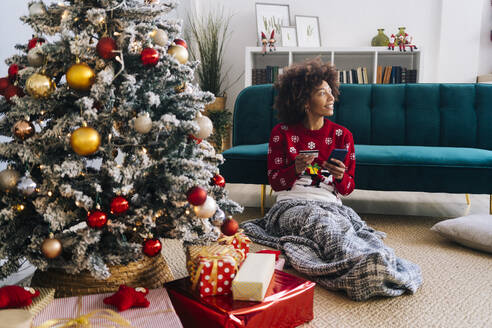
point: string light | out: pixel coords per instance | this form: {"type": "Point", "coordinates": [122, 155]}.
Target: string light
{"type": "Point", "coordinates": [187, 212]}
{"type": "Point", "coordinates": [64, 15]}
{"type": "Point", "coordinates": [20, 207]}
{"type": "Point", "coordinates": [50, 193]}
{"type": "Point", "coordinates": [144, 150]}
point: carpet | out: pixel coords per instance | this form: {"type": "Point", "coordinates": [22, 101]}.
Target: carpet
{"type": "Point", "coordinates": [457, 288]}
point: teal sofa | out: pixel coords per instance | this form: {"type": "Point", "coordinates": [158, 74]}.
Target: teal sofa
{"type": "Point", "coordinates": [408, 137]}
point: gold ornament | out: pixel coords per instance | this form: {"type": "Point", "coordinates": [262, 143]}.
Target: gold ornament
{"type": "Point", "coordinates": [8, 179]}
{"type": "Point", "coordinates": [51, 247]}
{"type": "Point", "coordinates": [23, 129]}
{"type": "Point", "coordinates": [40, 86]}
{"type": "Point", "coordinates": [85, 141]}
{"type": "Point", "coordinates": [178, 52]}
{"type": "Point", "coordinates": [80, 77]}
{"type": "Point", "coordinates": [159, 37]}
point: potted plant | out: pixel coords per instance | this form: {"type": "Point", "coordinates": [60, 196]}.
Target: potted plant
{"type": "Point", "coordinates": [207, 36]}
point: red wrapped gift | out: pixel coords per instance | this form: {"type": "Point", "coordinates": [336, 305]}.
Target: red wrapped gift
{"type": "Point", "coordinates": [239, 240]}
{"type": "Point", "coordinates": [212, 268]}
{"type": "Point", "coordinates": [288, 303]}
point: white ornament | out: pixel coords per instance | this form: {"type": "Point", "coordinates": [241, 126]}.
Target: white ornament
{"type": "Point", "coordinates": [205, 127]}
{"type": "Point", "coordinates": [27, 186]}
{"type": "Point", "coordinates": [35, 57]}
{"type": "Point", "coordinates": [207, 209]}
{"type": "Point", "coordinates": [143, 124]}
{"type": "Point", "coordinates": [159, 37]}
{"type": "Point", "coordinates": [37, 8]}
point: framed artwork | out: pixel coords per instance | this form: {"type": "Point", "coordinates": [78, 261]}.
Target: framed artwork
{"type": "Point", "coordinates": [289, 36]}
{"type": "Point", "coordinates": [307, 31]}
{"type": "Point", "coordinates": [270, 17]}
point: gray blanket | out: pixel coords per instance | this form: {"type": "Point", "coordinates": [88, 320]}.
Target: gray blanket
{"type": "Point", "coordinates": [334, 246]}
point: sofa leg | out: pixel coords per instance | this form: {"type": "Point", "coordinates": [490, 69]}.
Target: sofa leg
{"type": "Point", "coordinates": [468, 199]}
{"type": "Point", "coordinates": [262, 199]}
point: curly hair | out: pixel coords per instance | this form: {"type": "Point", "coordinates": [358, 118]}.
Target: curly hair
{"type": "Point", "coordinates": [295, 85]}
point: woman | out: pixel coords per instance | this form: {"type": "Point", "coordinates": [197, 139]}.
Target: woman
{"type": "Point", "coordinates": [321, 237]}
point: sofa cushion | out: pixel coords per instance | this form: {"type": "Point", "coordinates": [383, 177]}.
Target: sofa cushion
{"type": "Point", "coordinates": [249, 152]}
{"type": "Point", "coordinates": [423, 156]}
{"type": "Point", "coordinates": [474, 231]}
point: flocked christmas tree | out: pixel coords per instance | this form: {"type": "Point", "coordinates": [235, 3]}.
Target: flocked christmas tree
{"type": "Point", "coordinates": [105, 155]}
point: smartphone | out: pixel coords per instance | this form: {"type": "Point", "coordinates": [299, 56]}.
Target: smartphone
{"type": "Point", "coordinates": [338, 153]}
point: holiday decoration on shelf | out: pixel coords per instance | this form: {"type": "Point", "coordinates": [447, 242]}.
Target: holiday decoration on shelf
{"type": "Point", "coordinates": [51, 247]}
{"type": "Point", "coordinates": [149, 57]}
{"type": "Point", "coordinates": [12, 297]}
{"type": "Point", "coordinates": [106, 48]}
{"type": "Point", "coordinates": [127, 297]}
{"type": "Point", "coordinates": [152, 247]}
{"type": "Point", "coordinates": [229, 227]}
{"type": "Point", "coordinates": [159, 37]}
{"type": "Point", "coordinates": [85, 141]}
{"type": "Point", "coordinates": [196, 196]}
{"type": "Point", "coordinates": [102, 166]}
{"type": "Point", "coordinates": [23, 129]}
{"type": "Point", "coordinates": [80, 77]}
{"type": "Point", "coordinates": [218, 180]}
{"type": "Point", "coordinates": [40, 86]}
{"type": "Point", "coordinates": [178, 52]}
{"type": "Point", "coordinates": [271, 41]}
{"type": "Point", "coordinates": [143, 123]}
{"type": "Point", "coordinates": [96, 219]}
{"type": "Point", "coordinates": [119, 205]}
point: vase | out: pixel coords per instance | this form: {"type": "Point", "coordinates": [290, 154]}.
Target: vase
{"type": "Point", "coordinates": [380, 40]}
{"type": "Point", "coordinates": [218, 104]}
{"type": "Point", "coordinates": [150, 272]}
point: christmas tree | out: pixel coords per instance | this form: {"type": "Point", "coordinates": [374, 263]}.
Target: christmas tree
{"type": "Point", "coordinates": [106, 151]}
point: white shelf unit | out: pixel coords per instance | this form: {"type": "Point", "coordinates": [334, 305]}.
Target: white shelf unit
{"type": "Point", "coordinates": [343, 58]}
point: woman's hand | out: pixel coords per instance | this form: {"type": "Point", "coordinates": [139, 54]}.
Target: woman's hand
{"type": "Point", "coordinates": [336, 168]}
{"type": "Point", "coordinates": [302, 162]}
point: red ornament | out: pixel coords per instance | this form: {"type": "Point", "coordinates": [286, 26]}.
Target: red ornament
{"type": "Point", "coordinates": [152, 247]}
{"type": "Point", "coordinates": [196, 196]}
{"type": "Point", "coordinates": [229, 227]}
{"type": "Point", "coordinates": [13, 71]}
{"type": "Point", "coordinates": [15, 296]}
{"type": "Point", "coordinates": [4, 83]}
{"type": "Point", "coordinates": [13, 90]}
{"type": "Point", "coordinates": [218, 180]}
{"type": "Point", "coordinates": [35, 42]}
{"type": "Point", "coordinates": [181, 42]}
{"type": "Point", "coordinates": [119, 205]}
{"type": "Point", "coordinates": [197, 140]}
{"type": "Point", "coordinates": [127, 297]}
{"type": "Point", "coordinates": [149, 57]}
{"type": "Point", "coordinates": [96, 219]}
{"type": "Point", "coordinates": [105, 48]}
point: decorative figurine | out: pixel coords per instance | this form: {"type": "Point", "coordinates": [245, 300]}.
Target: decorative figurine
{"type": "Point", "coordinates": [264, 42]}
{"type": "Point", "coordinates": [271, 42]}
{"type": "Point", "coordinates": [391, 43]}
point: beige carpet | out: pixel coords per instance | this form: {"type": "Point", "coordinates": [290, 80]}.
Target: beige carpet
{"type": "Point", "coordinates": [457, 289]}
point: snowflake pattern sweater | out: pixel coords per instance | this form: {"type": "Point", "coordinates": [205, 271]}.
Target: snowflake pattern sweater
{"type": "Point", "coordinates": [287, 140]}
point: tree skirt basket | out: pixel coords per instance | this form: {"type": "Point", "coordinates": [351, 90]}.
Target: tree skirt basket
{"type": "Point", "coordinates": [151, 272]}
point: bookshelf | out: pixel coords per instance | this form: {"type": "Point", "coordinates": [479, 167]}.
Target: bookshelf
{"type": "Point", "coordinates": [343, 58]}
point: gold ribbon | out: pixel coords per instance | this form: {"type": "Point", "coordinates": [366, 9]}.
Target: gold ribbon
{"type": "Point", "coordinates": [84, 320]}
{"type": "Point", "coordinates": [206, 256]}
{"type": "Point", "coordinates": [240, 237]}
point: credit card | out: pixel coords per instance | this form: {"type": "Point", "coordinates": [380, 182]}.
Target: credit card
{"type": "Point", "coordinates": [314, 152]}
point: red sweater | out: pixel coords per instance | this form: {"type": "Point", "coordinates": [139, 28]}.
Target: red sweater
{"type": "Point", "coordinates": [287, 140]}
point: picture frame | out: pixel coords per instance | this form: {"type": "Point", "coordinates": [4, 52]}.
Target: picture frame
{"type": "Point", "coordinates": [307, 28]}
{"type": "Point", "coordinates": [270, 17]}
{"type": "Point", "coordinates": [289, 36]}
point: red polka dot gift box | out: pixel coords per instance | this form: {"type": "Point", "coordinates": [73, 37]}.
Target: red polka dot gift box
{"type": "Point", "coordinates": [212, 268]}
{"type": "Point", "coordinates": [239, 241]}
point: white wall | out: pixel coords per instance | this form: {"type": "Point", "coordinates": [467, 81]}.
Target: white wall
{"type": "Point", "coordinates": [453, 34]}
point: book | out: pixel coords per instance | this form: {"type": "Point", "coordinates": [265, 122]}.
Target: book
{"type": "Point", "coordinates": [379, 75]}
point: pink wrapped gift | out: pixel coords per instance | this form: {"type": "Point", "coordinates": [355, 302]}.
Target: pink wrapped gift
{"type": "Point", "coordinates": [160, 313]}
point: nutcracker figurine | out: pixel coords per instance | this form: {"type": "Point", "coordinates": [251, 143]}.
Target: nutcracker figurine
{"type": "Point", "coordinates": [271, 42]}
{"type": "Point", "coordinates": [264, 42]}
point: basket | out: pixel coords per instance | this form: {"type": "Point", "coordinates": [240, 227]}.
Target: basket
{"type": "Point", "coordinates": [150, 272]}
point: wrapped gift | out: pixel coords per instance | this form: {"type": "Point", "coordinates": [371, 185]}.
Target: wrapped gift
{"type": "Point", "coordinates": [253, 279]}
{"type": "Point", "coordinates": [212, 268]}
{"type": "Point", "coordinates": [91, 309]}
{"type": "Point", "coordinates": [46, 296]}
{"type": "Point", "coordinates": [239, 240]}
{"type": "Point", "coordinates": [279, 261]}
{"type": "Point", "coordinates": [288, 303]}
